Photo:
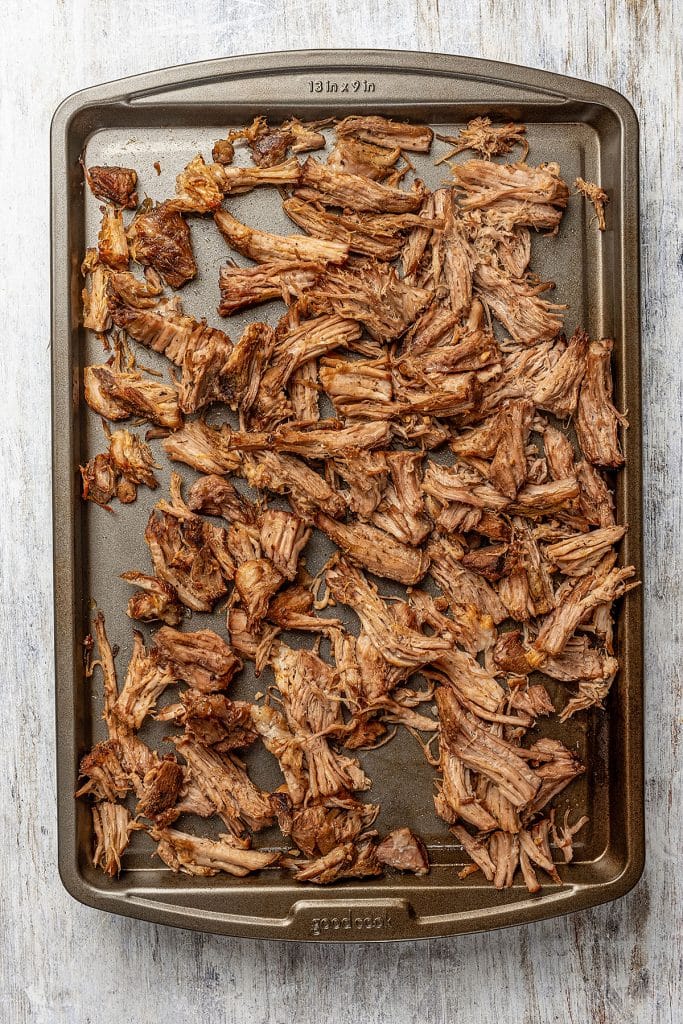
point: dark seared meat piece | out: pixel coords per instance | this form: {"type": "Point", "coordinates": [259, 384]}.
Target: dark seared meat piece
{"type": "Point", "coordinates": [160, 238]}
{"type": "Point", "coordinates": [113, 185]}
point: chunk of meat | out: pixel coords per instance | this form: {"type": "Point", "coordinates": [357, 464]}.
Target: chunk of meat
{"type": "Point", "coordinates": [363, 159]}
{"type": "Point", "coordinates": [160, 238]}
{"type": "Point", "coordinates": [397, 643]}
{"type": "Point", "coordinates": [283, 538]}
{"type": "Point", "coordinates": [288, 280]}
{"type": "Point", "coordinates": [146, 679]}
{"type": "Point", "coordinates": [163, 783]}
{"type": "Point", "coordinates": [375, 550]}
{"type": "Point", "coordinates": [205, 448]}
{"type": "Point", "coordinates": [355, 192]}
{"type": "Point", "coordinates": [112, 246]}
{"type": "Point", "coordinates": [517, 303]}
{"type": "Point", "coordinates": [182, 556]}
{"type": "Point", "coordinates": [202, 659]}
{"type": "Point", "coordinates": [285, 474]}
{"type": "Point", "coordinates": [263, 247]}
{"type": "Point", "coordinates": [118, 395]}
{"type": "Point", "coordinates": [559, 389]}
{"type": "Point", "coordinates": [597, 421]}
{"type": "Point", "coordinates": [113, 185]}
{"type": "Point", "coordinates": [194, 855]}
{"type": "Point", "coordinates": [416, 138]}
{"type": "Point", "coordinates": [403, 850]}
{"type": "Point", "coordinates": [99, 480]}
{"type": "Point", "coordinates": [106, 777]}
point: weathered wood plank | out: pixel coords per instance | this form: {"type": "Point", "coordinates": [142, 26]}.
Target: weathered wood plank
{"type": "Point", "coordinates": [63, 962]}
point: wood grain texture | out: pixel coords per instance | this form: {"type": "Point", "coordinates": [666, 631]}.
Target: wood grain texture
{"type": "Point", "coordinates": [60, 961]}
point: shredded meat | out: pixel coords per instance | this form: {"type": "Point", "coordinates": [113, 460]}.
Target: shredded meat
{"type": "Point", "coordinates": [413, 410]}
{"type": "Point", "coordinates": [597, 196]}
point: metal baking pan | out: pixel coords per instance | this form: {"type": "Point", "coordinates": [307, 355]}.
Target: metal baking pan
{"type": "Point", "coordinates": [168, 116]}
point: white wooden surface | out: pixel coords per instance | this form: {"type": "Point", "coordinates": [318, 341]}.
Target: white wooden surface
{"type": "Point", "coordinates": [62, 962]}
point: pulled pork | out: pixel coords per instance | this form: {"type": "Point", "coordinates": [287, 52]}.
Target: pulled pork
{"type": "Point", "coordinates": [388, 427]}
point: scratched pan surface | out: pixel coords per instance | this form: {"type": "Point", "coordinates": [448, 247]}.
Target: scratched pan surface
{"type": "Point", "coordinates": [168, 116]}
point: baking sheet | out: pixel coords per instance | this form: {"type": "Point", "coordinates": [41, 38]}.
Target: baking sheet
{"type": "Point", "coordinates": [168, 117]}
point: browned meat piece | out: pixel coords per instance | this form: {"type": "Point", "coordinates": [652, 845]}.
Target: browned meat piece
{"type": "Point", "coordinates": [363, 159]}
{"type": "Point", "coordinates": [455, 484]}
{"type": "Point", "coordinates": [403, 850]}
{"type": "Point", "coordinates": [574, 605]}
{"type": "Point", "coordinates": [489, 561]}
{"type": "Point", "coordinates": [163, 784]}
{"type": "Point", "coordinates": [193, 855]}
{"type": "Point", "coordinates": [597, 421]}
{"type": "Point", "coordinates": [375, 550]}
{"type": "Point", "coordinates": [203, 660]}
{"type": "Point", "coordinates": [237, 180]}
{"type": "Point", "coordinates": [223, 152]}
{"type": "Point", "coordinates": [285, 474]}
{"type": "Point", "coordinates": [464, 590]}
{"type": "Point", "coordinates": [508, 471]}
{"type": "Point", "coordinates": [242, 287]}
{"type": "Point", "coordinates": [213, 719]}
{"type": "Point", "coordinates": [532, 700]}
{"type": "Point", "coordinates": [182, 556]}
{"type": "Point", "coordinates": [132, 458]}
{"type": "Point", "coordinates": [590, 694]}
{"type": "Point", "coordinates": [417, 138]}
{"type": "Point", "coordinates": [113, 825]}
{"type": "Point", "coordinates": [203, 447]}
{"type": "Point", "coordinates": [453, 258]}
{"type": "Point", "coordinates": [292, 608]}
{"type": "Point", "coordinates": [518, 305]}
{"type": "Point", "coordinates": [264, 248]}
{"type": "Point", "coordinates": [597, 196]}
{"type": "Point", "coordinates": [402, 511]}
{"type": "Point", "coordinates": [472, 683]}
{"type": "Point", "coordinates": [308, 687]}
{"type": "Point", "coordinates": [582, 552]}
{"type": "Point", "coordinates": [580, 662]}
{"type": "Point", "coordinates": [304, 137]}
{"type": "Point", "coordinates": [99, 481]}
{"type": "Point", "coordinates": [199, 187]}
{"type": "Point", "coordinates": [316, 442]}
{"type": "Point", "coordinates": [346, 861]}
{"type": "Point", "coordinates": [112, 246]}
{"type": "Point", "coordinates": [303, 392]}
{"type": "Point", "coordinates": [557, 768]}
{"type": "Point", "coordinates": [511, 654]}
{"type": "Point", "coordinates": [113, 185]}
{"type": "Point", "coordinates": [320, 827]}
{"type": "Point", "coordinates": [595, 498]}
{"type": "Point", "coordinates": [216, 496]}
{"type": "Point", "coordinates": [283, 538]}
{"type": "Point", "coordinates": [559, 389]}
{"type": "Point", "coordinates": [106, 778]}
{"type": "Point", "coordinates": [355, 192]}
{"type": "Point", "coordinates": [238, 801]}
{"type": "Point", "coordinates": [439, 394]}
{"type": "Point", "coordinates": [385, 305]}
{"type": "Point", "coordinates": [434, 327]}
{"type": "Point", "coordinates": [205, 354]}
{"type": "Point", "coordinates": [376, 235]}
{"type": "Point", "coordinates": [160, 238]}
{"type": "Point", "coordinates": [484, 752]}
{"type": "Point", "coordinates": [527, 590]}
{"type": "Point", "coordinates": [359, 388]}
{"type": "Point", "coordinates": [117, 395]}
{"type": "Point", "coordinates": [256, 581]}
{"type": "Point", "coordinates": [484, 183]}
{"type": "Point", "coordinates": [95, 306]}
{"type": "Point", "coordinates": [398, 644]}
{"type": "Point", "coordinates": [272, 727]}
{"type": "Point", "coordinates": [483, 136]}
{"type": "Point", "coordinates": [472, 348]}
{"type": "Point", "coordinates": [138, 293]}
{"type": "Point", "coordinates": [146, 679]}
{"type": "Point", "coordinates": [366, 477]}
{"type": "Point", "coordinates": [455, 798]}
